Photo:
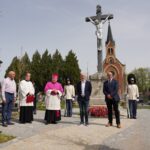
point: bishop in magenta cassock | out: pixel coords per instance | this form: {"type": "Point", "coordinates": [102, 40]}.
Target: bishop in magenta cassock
{"type": "Point", "coordinates": [53, 92]}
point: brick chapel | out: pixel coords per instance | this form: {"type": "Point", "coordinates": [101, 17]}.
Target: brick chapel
{"type": "Point", "coordinates": [112, 63]}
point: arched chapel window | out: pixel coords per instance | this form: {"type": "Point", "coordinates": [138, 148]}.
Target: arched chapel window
{"type": "Point", "coordinates": [110, 51]}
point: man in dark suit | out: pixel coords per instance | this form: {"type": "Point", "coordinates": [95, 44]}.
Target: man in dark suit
{"type": "Point", "coordinates": [112, 99]}
{"type": "Point", "coordinates": [84, 90]}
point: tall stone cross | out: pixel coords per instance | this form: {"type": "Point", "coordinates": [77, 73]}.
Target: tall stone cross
{"type": "Point", "coordinates": [98, 21]}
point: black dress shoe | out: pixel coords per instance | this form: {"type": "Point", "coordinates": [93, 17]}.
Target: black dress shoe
{"type": "Point", "coordinates": [119, 126]}
{"type": "Point", "coordinates": [4, 125]}
{"type": "Point", "coordinates": [46, 123]}
{"type": "Point", "coordinates": [81, 123]}
{"type": "Point", "coordinates": [87, 124]}
{"type": "Point", "coordinates": [108, 125]}
{"type": "Point", "coordinates": [10, 123]}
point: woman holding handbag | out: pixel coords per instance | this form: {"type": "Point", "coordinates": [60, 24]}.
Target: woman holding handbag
{"type": "Point", "coordinates": [26, 98]}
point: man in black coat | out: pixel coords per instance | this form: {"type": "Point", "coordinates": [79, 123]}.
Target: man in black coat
{"type": "Point", "coordinates": [110, 90]}
{"type": "Point", "coordinates": [84, 90]}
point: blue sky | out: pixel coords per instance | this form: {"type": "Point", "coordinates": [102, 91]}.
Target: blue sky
{"type": "Point", "coordinates": [60, 24]}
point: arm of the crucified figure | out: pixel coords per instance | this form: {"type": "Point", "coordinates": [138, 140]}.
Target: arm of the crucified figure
{"type": "Point", "coordinates": [106, 19]}
{"type": "Point", "coordinates": [91, 21]}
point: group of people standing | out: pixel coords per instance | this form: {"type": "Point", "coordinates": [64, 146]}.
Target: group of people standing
{"type": "Point", "coordinates": [54, 91]}
{"type": "Point", "coordinates": [26, 95]}
{"type": "Point", "coordinates": [9, 95]}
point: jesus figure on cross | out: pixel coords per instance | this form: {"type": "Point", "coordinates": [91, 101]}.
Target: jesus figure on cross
{"type": "Point", "coordinates": [99, 26]}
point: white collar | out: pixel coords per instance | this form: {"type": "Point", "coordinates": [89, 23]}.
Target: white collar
{"type": "Point", "coordinates": [10, 79]}
{"type": "Point", "coordinates": [110, 79]}
{"type": "Point", "coordinates": [84, 81]}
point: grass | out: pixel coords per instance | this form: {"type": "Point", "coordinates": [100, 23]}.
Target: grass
{"type": "Point", "coordinates": [41, 105]}
{"type": "Point", "coordinates": [143, 107]}
{"type": "Point", "coordinates": [123, 104]}
{"type": "Point", "coordinates": [15, 116]}
{"type": "Point", "coordinates": [5, 138]}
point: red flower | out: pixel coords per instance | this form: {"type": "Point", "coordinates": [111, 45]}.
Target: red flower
{"type": "Point", "coordinates": [98, 111]}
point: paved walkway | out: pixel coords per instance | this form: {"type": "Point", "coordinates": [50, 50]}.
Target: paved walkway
{"type": "Point", "coordinates": [136, 137]}
{"type": "Point", "coordinates": [66, 135]}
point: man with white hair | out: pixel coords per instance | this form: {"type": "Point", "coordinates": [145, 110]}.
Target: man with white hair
{"type": "Point", "coordinates": [8, 97]}
{"type": "Point", "coordinates": [84, 89]}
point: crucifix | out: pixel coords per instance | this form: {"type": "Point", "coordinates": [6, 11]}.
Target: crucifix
{"type": "Point", "coordinates": [98, 21]}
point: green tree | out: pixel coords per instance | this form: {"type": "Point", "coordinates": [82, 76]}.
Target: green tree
{"type": "Point", "coordinates": [58, 65]}
{"type": "Point", "coordinates": [46, 67]}
{"type": "Point", "coordinates": [42, 67]}
{"type": "Point", "coordinates": [143, 78]}
{"type": "Point", "coordinates": [14, 66]}
{"type": "Point", "coordinates": [71, 66]}
{"type": "Point", "coordinates": [24, 65]}
{"type": "Point", "coordinates": [36, 70]}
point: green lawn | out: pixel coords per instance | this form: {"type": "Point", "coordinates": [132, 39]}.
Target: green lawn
{"type": "Point", "coordinates": [15, 115]}
{"type": "Point", "coordinates": [41, 105]}
{"type": "Point", "coordinates": [5, 138]}
{"type": "Point", "coordinates": [123, 104]}
{"type": "Point", "coordinates": [143, 107]}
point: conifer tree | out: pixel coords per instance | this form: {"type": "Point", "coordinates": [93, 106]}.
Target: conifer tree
{"type": "Point", "coordinates": [72, 69]}
{"type": "Point", "coordinates": [58, 65]}
{"type": "Point", "coordinates": [25, 65]}
{"type": "Point", "coordinates": [15, 66]}
{"type": "Point", "coordinates": [46, 67]}
{"type": "Point", "coordinates": [36, 75]}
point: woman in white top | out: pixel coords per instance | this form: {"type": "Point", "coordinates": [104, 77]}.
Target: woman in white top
{"type": "Point", "coordinates": [26, 89]}
{"type": "Point", "coordinates": [69, 92]}
{"type": "Point", "coordinates": [133, 97]}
